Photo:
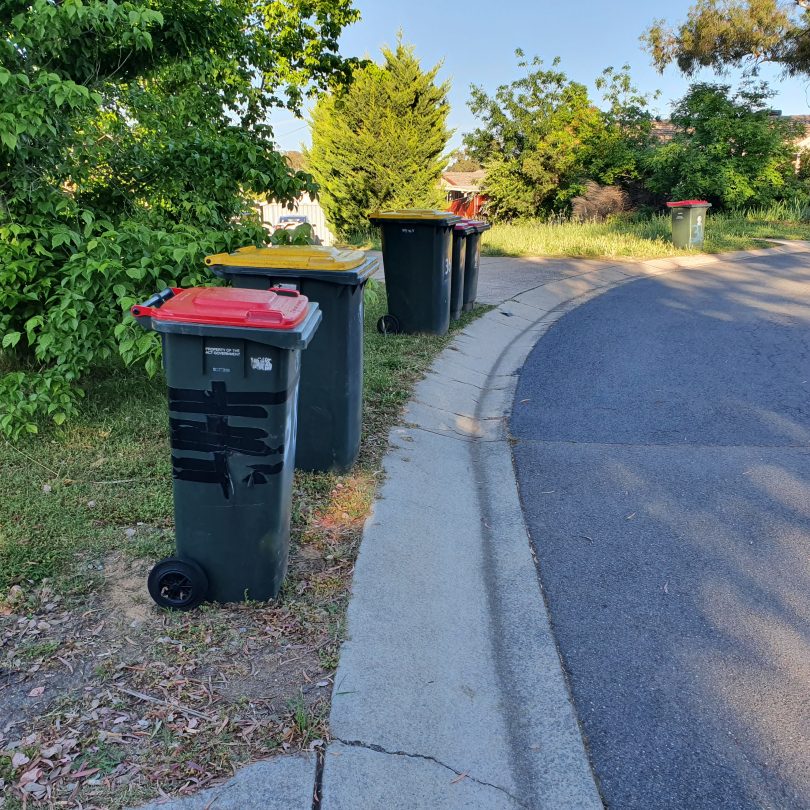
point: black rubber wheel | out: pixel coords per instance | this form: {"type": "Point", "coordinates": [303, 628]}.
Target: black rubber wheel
{"type": "Point", "coordinates": [388, 325]}
{"type": "Point", "coordinates": [177, 584]}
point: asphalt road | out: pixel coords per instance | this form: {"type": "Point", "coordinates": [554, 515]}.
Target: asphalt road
{"type": "Point", "coordinates": [663, 454]}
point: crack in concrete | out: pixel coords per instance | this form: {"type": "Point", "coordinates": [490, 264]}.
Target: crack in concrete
{"type": "Point", "coordinates": [380, 750]}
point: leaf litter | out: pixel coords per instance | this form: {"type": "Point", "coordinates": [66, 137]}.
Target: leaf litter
{"type": "Point", "coordinates": [109, 701]}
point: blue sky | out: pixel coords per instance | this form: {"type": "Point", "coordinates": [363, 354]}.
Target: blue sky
{"type": "Point", "coordinates": [476, 41]}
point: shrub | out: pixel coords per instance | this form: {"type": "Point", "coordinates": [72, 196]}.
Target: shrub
{"type": "Point", "coordinates": [599, 202]}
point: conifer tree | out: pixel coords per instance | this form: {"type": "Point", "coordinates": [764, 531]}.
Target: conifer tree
{"type": "Point", "coordinates": [381, 142]}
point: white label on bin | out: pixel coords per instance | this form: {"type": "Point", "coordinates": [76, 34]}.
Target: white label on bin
{"type": "Point", "coordinates": [409, 230]}
{"type": "Point", "coordinates": [221, 351]}
{"type": "Point", "coordinates": [261, 363]}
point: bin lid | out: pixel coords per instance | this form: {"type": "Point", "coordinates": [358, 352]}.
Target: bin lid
{"type": "Point", "coordinates": [464, 227]}
{"type": "Point", "coordinates": [416, 215]}
{"type": "Point", "coordinates": [290, 257]}
{"type": "Point", "coordinates": [479, 225]}
{"type": "Point", "coordinates": [230, 306]}
{"type": "Point", "coordinates": [689, 204]}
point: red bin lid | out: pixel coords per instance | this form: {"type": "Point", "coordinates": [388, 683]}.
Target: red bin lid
{"type": "Point", "coordinates": [689, 204]}
{"type": "Point", "coordinates": [230, 306]}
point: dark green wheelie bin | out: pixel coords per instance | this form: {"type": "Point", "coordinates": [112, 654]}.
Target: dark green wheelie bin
{"type": "Point", "coordinates": [461, 230]}
{"type": "Point", "coordinates": [330, 401]}
{"type": "Point", "coordinates": [417, 249]}
{"type": "Point", "coordinates": [688, 222]}
{"type": "Point", "coordinates": [472, 262]}
{"type": "Point", "coordinates": [232, 360]}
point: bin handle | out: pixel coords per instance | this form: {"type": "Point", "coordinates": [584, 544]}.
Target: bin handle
{"type": "Point", "coordinates": [147, 308]}
{"type": "Point", "coordinates": [290, 292]}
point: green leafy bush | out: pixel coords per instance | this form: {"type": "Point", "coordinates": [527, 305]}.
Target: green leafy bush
{"type": "Point", "coordinates": [131, 140]}
{"type": "Point", "coordinates": [542, 138]}
{"type": "Point", "coordinates": [728, 149]}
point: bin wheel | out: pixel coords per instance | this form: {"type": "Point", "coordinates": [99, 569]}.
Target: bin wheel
{"type": "Point", "coordinates": [388, 325]}
{"type": "Point", "coordinates": [177, 584]}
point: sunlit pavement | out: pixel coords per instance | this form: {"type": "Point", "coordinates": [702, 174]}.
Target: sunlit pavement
{"type": "Point", "coordinates": [663, 454]}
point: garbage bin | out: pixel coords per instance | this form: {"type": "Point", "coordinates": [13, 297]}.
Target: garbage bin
{"type": "Point", "coordinates": [472, 262]}
{"type": "Point", "coordinates": [417, 247]}
{"type": "Point", "coordinates": [461, 231]}
{"type": "Point", "coordinates": [688, 222]}
{"type": "Point", "coordinates": [232, 361]}
{"type": "Point", "coordinates": [330, 400]}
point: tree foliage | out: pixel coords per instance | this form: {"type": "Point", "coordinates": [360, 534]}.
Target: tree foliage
{"type": "Point", "coordinates": [542, 138]}
{"type": "Point", "coordinates": [131, 134]}
{"type": "Point", "coordinates": [380, 142]}
{"type": "Point", "coordinates": [728, 149]}
{"type": "Point", "coordinates": [462, 161]}
{"type": "Point", "coordinates": [722, 33]}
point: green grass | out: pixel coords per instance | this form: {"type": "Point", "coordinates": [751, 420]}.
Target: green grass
{"type": "Point", "coordinates": [634, 236]}
{"type": "Point", "coordinates": [69, 495]}
{"type": "Point", "coordinates": [641, 237]}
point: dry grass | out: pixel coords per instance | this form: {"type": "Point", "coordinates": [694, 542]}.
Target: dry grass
{"type": "Point", "coordinates": [636, 237]}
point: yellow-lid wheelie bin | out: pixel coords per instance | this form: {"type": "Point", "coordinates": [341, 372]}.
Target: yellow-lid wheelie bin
{"type": "Point", "coordinates": [330, 405]}
{"type": "Point", "coordinates": [417, 249]}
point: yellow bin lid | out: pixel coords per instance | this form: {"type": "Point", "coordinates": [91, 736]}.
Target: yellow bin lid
{"type": "Point", "coordinates": [290, 257]}
{"type": "Point", "coordinates": [415, 214]}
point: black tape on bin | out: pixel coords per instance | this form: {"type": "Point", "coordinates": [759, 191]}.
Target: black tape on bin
{"type": "Point", "coordinates": [217, 436]}
{"type": "Point", "coordinates": [218, 402]}
{"type": "Point", "coordinates": [215, 433]}
{"type": "Point", "coordinates": [216, 471]}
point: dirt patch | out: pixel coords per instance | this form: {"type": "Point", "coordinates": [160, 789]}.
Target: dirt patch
{"type": "Point", "coordinates": [125, 590]}
{"type": "Point", "coordinates": [110, 701]}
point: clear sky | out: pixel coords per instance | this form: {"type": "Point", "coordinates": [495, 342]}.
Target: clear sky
{"type": "Point", "coordinates": [476, 41]}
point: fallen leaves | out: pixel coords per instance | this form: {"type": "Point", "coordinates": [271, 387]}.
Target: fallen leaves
{"type": "Point", "coordinates": [157, 708]}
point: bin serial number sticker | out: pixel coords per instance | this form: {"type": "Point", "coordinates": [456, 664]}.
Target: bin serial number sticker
{"type": "Point", "coordinates": [222, 351]}
{"type": "Point", "coordinates": [261, 363]}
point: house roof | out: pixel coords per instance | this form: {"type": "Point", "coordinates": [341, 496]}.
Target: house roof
{"type": "Point", "coordinates": [664, 131]}
{"type": "Point", "coordinates": [462, 181]}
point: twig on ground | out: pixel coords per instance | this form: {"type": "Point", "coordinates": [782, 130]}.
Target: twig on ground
{"type": "Point", "coordinates": [178, 706]}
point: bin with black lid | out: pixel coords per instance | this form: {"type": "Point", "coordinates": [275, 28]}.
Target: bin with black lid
{"type": "Point", "coordinates": [232, 360]}
{"type": "Point", "coordinates": [417, 255]}
{"type": "Point", "coordinates": [461, 232]}
{"type": "Point", "coordinates": [330, 404]}
{"type": "Point", "coordinates": [472, 262]}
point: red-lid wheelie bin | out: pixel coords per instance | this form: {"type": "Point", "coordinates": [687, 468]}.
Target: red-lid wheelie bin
{"type": "Point", "coordinates": [232, 359]}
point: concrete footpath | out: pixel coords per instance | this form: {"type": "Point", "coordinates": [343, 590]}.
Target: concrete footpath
{"type": "Point", "coordinates": [450, 693]}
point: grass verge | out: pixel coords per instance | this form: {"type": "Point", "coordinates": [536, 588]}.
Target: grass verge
{"type": "Point", "coordinates": [106, 701]}
{"type": "Point", "coordinates": [636, 237]}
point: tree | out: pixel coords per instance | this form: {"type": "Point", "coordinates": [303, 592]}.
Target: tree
{"type": "Point", "coordinates": [617, 152]}
{"type": "Point", "coordinates": [380, 143]}
{"type": "Point", "coordinates": [131, 134]}
{"type": "Point", "coordinates": [461, 161]}
{"type": "Point", "coordinates": [728, 149]}
{"type": "Point", "coordinates": [543, 138]}
{"type": "Point", "coordinates": [722, 33]}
